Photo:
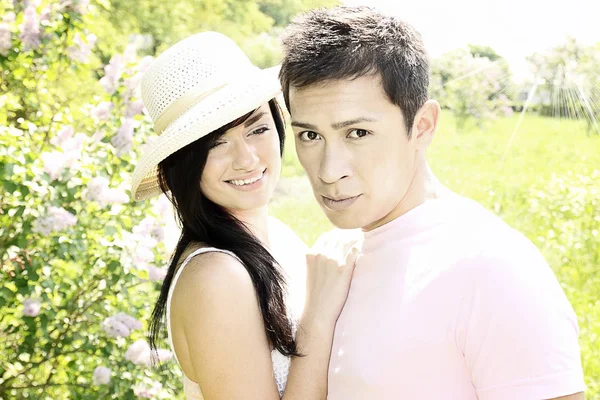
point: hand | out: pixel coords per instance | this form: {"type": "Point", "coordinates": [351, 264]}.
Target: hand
{"type": "Point", "coordinates": [329, 267]}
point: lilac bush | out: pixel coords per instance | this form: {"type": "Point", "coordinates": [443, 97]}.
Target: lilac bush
{"type": "Point", "coordinates": [81, 263]}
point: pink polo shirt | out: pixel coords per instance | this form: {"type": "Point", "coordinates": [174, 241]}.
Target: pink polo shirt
{"type": "Point", "coordinates": [449, 302]}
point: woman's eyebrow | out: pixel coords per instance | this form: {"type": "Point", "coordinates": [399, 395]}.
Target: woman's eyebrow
{"type": "Point", "coordinates": [253, 119]}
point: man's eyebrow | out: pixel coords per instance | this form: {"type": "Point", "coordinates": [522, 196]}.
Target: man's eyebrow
{"type": "Point", "coordinates": [343, 124]}
{"type": "Point", "coordinates": [303, 125]}
{"type": "Point", "coordinates": [253, 119]}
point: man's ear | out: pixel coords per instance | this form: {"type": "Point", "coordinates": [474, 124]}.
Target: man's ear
{"type": "Point", "coordinates": [425, 123]}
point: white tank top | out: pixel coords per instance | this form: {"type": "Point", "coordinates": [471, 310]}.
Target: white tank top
{"type": "Point", "coordinates": [281, 363]}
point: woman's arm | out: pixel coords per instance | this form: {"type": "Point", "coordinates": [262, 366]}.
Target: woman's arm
{"type": "Point", "coordinates": [220, 338]}
{"type": "Point", "coordinates": [218, 331]}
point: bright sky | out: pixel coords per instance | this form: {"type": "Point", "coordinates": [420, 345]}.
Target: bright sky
{"type": "Point", "coordinates": [514, 28]}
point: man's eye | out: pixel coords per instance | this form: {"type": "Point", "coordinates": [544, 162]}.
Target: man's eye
{"type": "Point", "coordinates": [308, 136]}
{"type": "Point", "coordinates": [358, 133]}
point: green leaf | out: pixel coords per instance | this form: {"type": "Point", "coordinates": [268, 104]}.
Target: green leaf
{"type": "Point", "coordinates": [9, 186]}
{"type": "Point", "coordinates": [20, 211]}
{"type": "Point", "coordinates": [8, 169]}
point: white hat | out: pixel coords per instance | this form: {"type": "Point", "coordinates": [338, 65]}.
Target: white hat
{"type": "Point", "coordinates": [192, 89]}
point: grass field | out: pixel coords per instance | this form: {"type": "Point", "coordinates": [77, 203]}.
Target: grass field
{"type": "Point", "coordinates": [546, 184]}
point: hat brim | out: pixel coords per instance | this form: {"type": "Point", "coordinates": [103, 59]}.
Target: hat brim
{"type": "Point", "coordinates": [237, 98]}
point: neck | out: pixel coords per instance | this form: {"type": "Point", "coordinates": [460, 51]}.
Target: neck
{"type": "Point", "coordinates": [424, 186]}
{"type": "Point", "coordinates": [257, 221]}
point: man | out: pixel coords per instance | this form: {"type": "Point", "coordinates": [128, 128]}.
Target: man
{"type": "Point", "coordinates": [447, 301]}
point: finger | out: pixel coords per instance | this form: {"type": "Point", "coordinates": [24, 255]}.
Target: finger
{"type": "Point", "coordinates": [352, 255]}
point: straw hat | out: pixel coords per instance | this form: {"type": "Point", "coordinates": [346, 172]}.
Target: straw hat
{"type": "Point", "coordinates": [193, 88]}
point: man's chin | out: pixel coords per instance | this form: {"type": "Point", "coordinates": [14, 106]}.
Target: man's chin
{"type": "Point", "coordinates": [343, 219]}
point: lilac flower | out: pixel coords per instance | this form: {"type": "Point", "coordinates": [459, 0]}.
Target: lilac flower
{"type": "Point", "coordinates": [132, 86]}
{"type": "Point", "coordinates": [112, 74]}
{"type": "Point", "coordinates": [63, 136]}
{"type": "Point", "coordinates": [133, 82]}
{"type": "Point", "coordinates": [5, 39]}
{"type": "Point", "coordinates": [31, 307]}
{"type": "Point", "coordinates": [101, 376]}
{"type": "Point", "coordinates": [81, 50]}
{"type": "Point", "coordinates": [102, 111]}
{"type": "Point", "coordinates": [130, 52]}
{"type": "Point", "coordinates": [115, 328]}
{"type": "Point", "coordinates": [98, 136]}
{"type": "Point", "coordinates": [139, 353]}
{"type": "Point", "coordinates": [74, 144]}
{"type": "Point", "coordinates": [164, 355]}
{"type": "Point", "coordinates": [134, 108]}
{"type": "Point", "coordinates": [115, 196]}
{"type": "Point", "coordinates": [80, 6]}
{"type": "Point", "coordinates": [144, 63]}
{"type": "Point", "coordinates": [128, 320]}
{"type": "Point", "coordinates": [162, 206]}
{"type": "Point", "coordinates": [30, 29]}
{"type": "Point", "coordinates": [158, 233]}
{"type": "Point", "coordinates": [38, 186]}
{"type": "Point", "coordinates": [56, 219]}
{"type": "Point", "coordinates": [142, 256]}
{"type": "Point", "coordinates": [150, 226]}
{"type": "Point", "coordinates": [140, 243]}
{"type": "Point", "coordinates": [9, 17]}
{"type": "Point", "coordinates": [54, 164]}
{"type": "Point", "coordinates": [98, 190]}
{"type": "Point", "coordinates": [120, 325]}
{"type": "Point", "coordinates": [123, 140]}
{"type": "Point", "coordinates": [147, 391]}
{"type": "Point", "coordinates": [156, 274]}
{"type": "Point", "coordinates": [45, 16]}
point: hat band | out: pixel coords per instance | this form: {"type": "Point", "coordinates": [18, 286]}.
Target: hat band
{"type": "Point", "coordinates": [181, 105]}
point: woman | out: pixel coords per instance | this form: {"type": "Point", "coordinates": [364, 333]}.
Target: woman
{"type": "Point", "coordinates": [218, 158]}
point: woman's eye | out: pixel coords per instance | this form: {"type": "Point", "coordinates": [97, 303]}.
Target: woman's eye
{"type": "Point", "coordinates": [358, 133]}
{"type": "Point", "coordinates": [308, 136]}
{"type": "Point", "coordinates": [217, 144]}
{"type": "Point", "coordinates": [260, 130]}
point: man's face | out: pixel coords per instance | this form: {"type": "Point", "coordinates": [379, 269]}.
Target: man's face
{"type": "Point", "coordinates": [353, 144]}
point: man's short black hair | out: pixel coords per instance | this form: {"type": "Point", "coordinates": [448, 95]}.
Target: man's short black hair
{"type": "Point", "coordinates": [349, 42]}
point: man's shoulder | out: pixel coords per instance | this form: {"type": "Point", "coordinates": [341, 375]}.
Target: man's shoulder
{"type": "Point", "coordinates": [486, 243]}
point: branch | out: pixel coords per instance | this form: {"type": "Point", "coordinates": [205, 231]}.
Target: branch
{"type": "Point", "coordinates": [45, 385]}
{"type": "Point", "coordinates": [34, 365]}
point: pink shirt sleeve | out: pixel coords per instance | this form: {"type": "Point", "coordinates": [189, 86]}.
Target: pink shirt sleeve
{"type": "Point", "coordinates": [517, 330]}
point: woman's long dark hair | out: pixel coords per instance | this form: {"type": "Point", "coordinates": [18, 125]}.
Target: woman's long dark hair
{"type": "Point", "coordinates": [204, 222]}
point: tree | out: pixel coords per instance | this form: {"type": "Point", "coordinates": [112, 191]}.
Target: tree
{"type": "Point", "coordinates": [473, 88]}
{"type": "Point", "coordinates": [484, 52]}
{"type": "Point", "coordinates": [569, 73]}
{"type": "Point", "coordinates": [282, 11]}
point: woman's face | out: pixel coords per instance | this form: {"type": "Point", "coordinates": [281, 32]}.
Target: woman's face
{"type": "Point", "coordinates": [243, 167]}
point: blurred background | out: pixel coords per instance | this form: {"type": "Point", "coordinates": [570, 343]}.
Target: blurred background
{"type": "Point", "coordinates": [81, 263]}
